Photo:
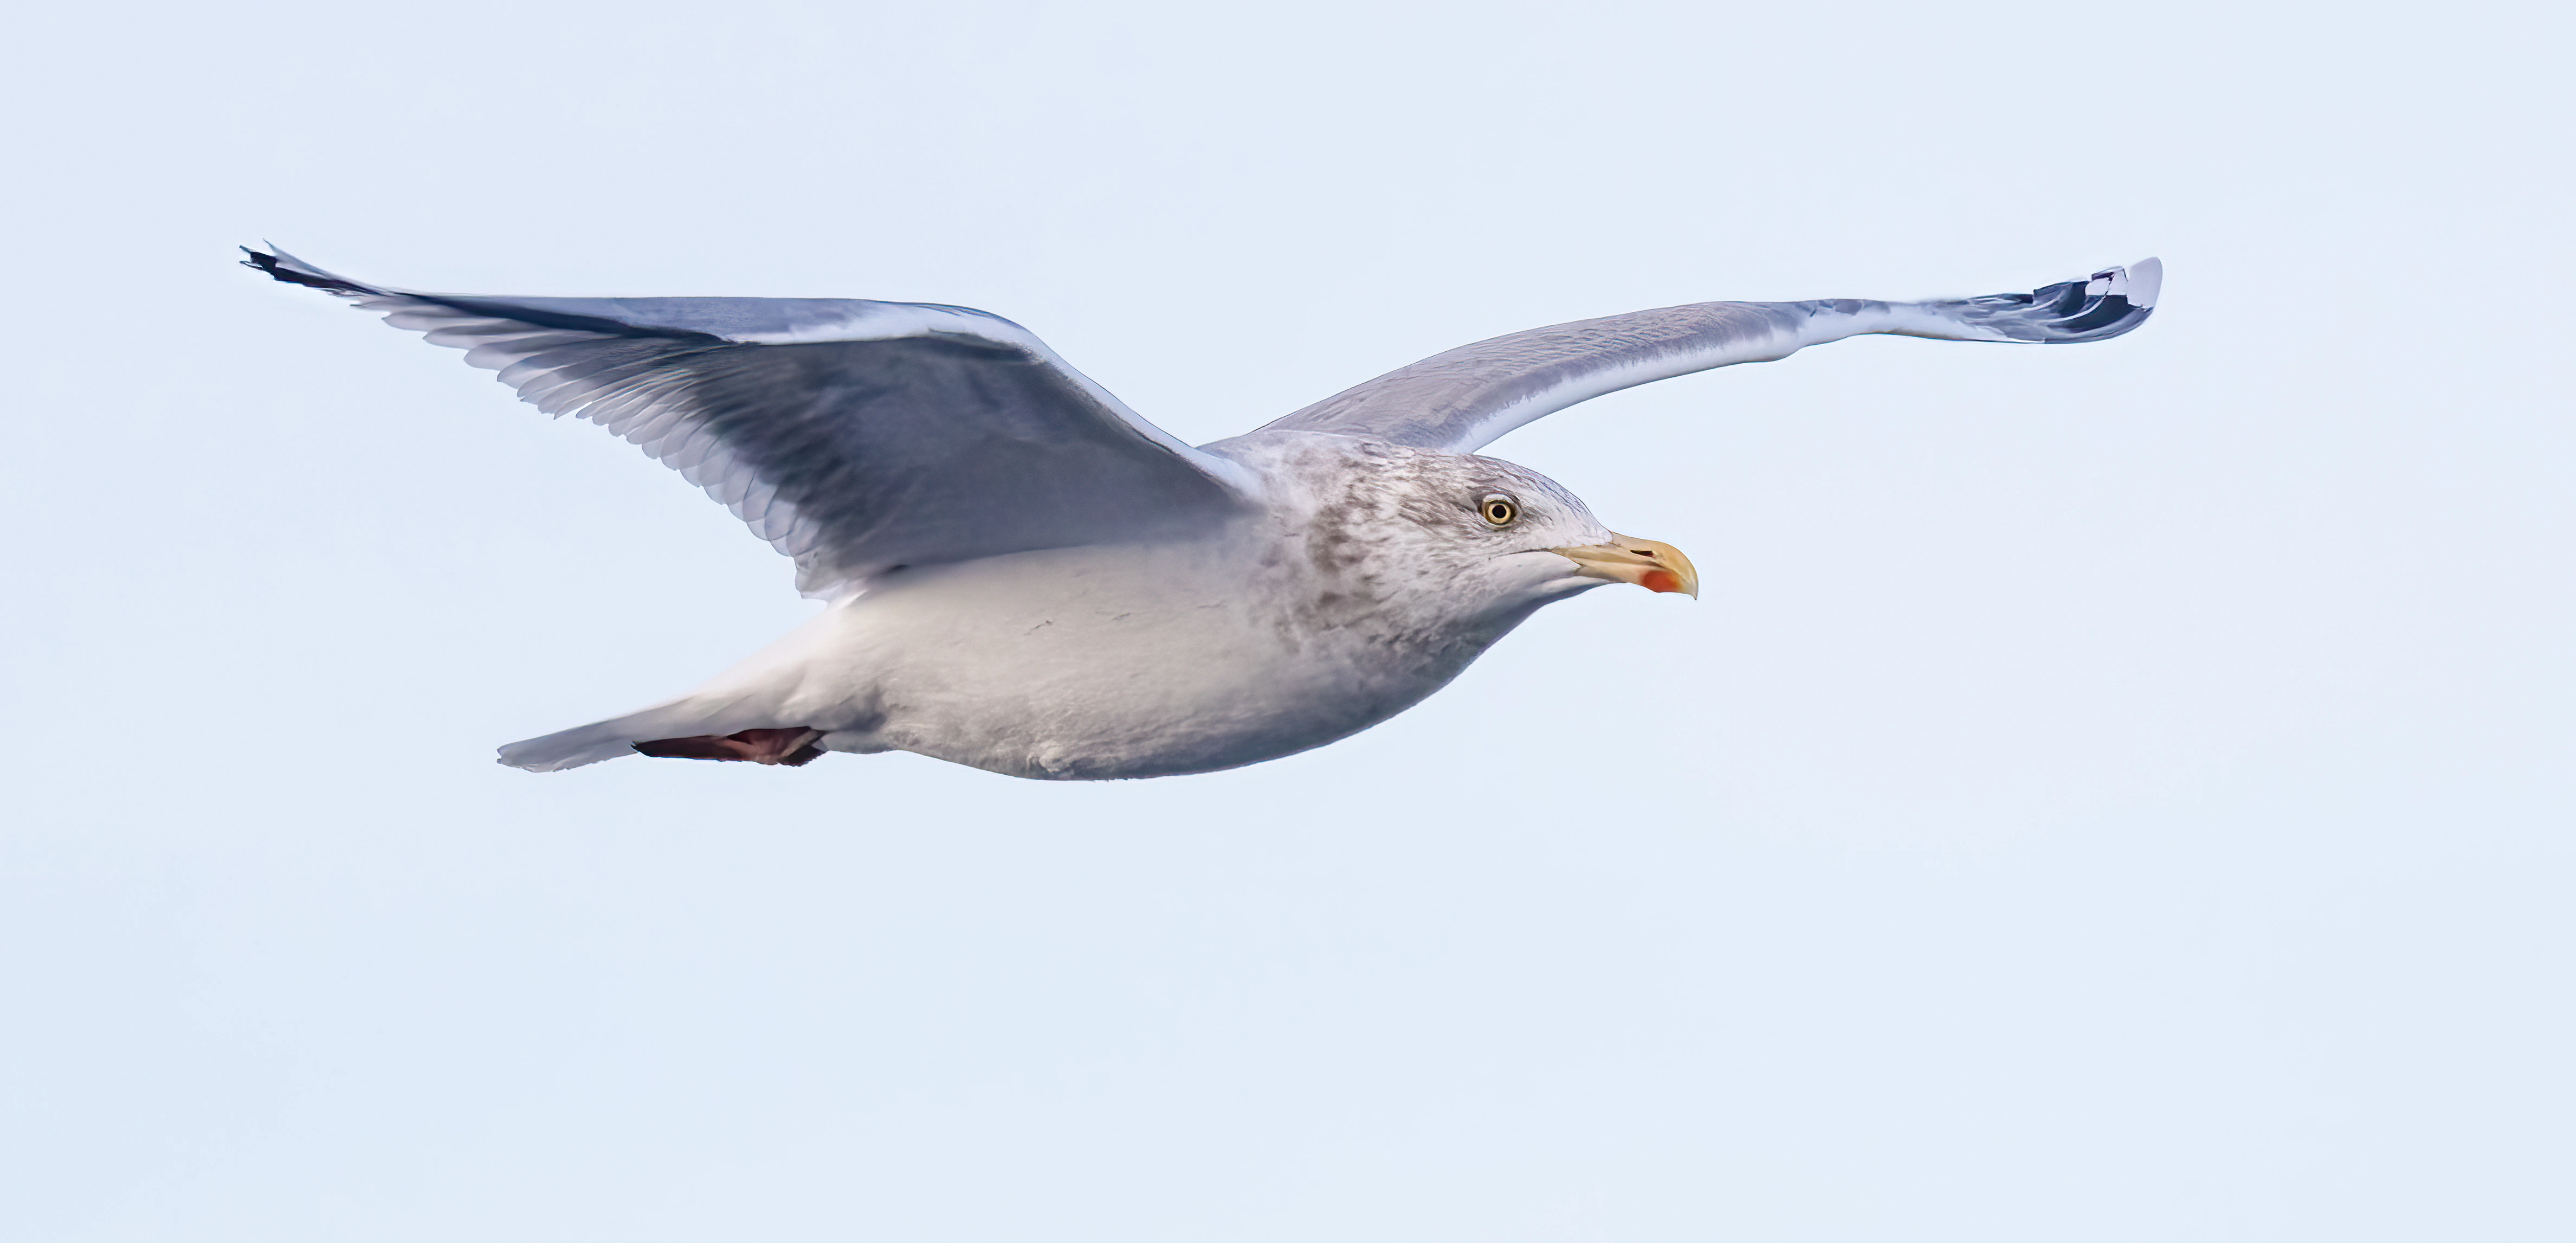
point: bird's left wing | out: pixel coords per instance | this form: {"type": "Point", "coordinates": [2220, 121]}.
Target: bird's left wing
{"type": "Point", "coordinates": [857, 437]}
{"type": "Point", "coordinates": [1462, 400]}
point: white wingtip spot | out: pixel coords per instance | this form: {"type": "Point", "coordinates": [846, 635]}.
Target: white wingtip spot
{"type": "Point", "coordinates": [2138, 282]}
{"type": "Point", "coordinates": [2146, 280]}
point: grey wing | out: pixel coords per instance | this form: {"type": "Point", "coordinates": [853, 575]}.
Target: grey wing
{"type": "Point", "coordinates": [1464, 399]}
{"type": "Point", "coordinates": [857, 437]}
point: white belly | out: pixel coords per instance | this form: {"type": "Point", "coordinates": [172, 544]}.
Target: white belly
{"type": "Point", "coordinates": [1092, 663]}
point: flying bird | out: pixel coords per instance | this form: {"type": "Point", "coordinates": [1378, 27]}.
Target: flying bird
{"type": "Point", "coordinates": [1025, 576]}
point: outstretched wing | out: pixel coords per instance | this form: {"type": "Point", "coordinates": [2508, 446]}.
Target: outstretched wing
{"type": "Point", "coordinates": [856, 437]}
{"type": "Point", "coordinates": [1462, 400]}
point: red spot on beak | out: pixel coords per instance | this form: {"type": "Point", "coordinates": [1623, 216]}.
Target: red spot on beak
{"type": "Point", "coordinates": [1660, 580]}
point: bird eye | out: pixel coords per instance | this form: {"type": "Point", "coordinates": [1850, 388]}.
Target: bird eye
{"type": "Point", "coordinates": [1500, 510]}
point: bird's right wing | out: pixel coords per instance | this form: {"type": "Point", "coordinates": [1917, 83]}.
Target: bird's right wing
{"type": "Point", "coordinates": [857, 437]}
{"type": "Point", "coordinates": [1462, 400]}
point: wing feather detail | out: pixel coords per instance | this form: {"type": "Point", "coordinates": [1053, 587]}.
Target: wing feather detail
{"type": "Point", "coordinates": [855, 437]}
{"type": "Point", "coordinates": [1463, 399]}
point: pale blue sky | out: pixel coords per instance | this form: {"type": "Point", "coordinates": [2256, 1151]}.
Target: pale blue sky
{"type": "Point", "coordinates": [2116, 793]}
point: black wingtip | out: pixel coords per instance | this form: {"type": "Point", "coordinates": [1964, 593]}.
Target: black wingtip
{"type": "Point", "coordinates": [285, 267]}
{"type": "Point", "coordinates": [2099, 307]}
{"type": "Point", "coordinates": [261, 261]}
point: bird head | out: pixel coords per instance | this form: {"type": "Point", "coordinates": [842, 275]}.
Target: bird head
{"type": "Point", "coordinates": [1465, 536]}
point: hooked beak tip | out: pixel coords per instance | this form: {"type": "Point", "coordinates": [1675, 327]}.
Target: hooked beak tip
{"type": "Point", "coordinates": [1651, 564]}
{"type": "Point", "coordinates": [1663, 580]}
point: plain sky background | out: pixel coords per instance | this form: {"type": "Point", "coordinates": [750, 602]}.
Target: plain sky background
{"type": "Point", "coordinates": [2114, 793]}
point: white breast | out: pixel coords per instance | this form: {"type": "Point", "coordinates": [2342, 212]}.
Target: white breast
{"type": "Point", "coordinates": [1096, 662]}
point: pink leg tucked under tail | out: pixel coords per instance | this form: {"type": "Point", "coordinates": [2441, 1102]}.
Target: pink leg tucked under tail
{"type": "Point", "coordinates": [793, 746]}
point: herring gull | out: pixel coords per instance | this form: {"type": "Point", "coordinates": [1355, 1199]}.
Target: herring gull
{"type": "Point", "coordinates": [1023, 575]}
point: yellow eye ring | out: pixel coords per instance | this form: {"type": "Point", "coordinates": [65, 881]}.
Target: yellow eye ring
{"type": "Point", "coordinates": [1499, 510]}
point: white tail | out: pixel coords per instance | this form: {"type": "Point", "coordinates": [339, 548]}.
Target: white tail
{"type": "Point", "coordinates": [617, 736]}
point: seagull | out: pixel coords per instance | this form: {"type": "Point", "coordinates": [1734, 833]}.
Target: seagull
{"type": "Point", "coordinates": [1023, 575]}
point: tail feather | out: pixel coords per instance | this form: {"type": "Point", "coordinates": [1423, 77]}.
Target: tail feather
{"type": "Point", "coordinates": [572, 748]}
{"type": "Point", "coordinates": [617, 736]}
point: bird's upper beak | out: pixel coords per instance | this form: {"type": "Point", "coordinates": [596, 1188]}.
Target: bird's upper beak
{"type": "Point", "coordinates": [1648, 563]}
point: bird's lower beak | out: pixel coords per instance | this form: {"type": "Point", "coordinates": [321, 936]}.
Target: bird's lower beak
{"type": "Point", "coordinates": [1649, 564]}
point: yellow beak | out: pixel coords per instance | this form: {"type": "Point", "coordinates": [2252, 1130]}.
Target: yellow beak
{"type": "Point", "coordinates": [1650, 564]}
